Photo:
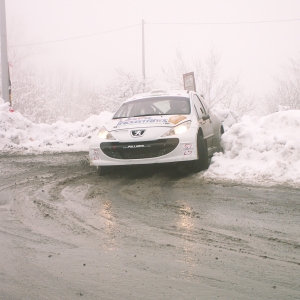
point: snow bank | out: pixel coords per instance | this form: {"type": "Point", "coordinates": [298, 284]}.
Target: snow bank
{"type": "Point", "coordinates": [265, 149]}
{"type": "Point", "coordinates": [227, 116]}
{"type": "Point", "coordinates": [17, 134]}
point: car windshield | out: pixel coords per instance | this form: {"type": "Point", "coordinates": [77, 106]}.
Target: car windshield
{"type": "Point", "coordinates": [154, 106]}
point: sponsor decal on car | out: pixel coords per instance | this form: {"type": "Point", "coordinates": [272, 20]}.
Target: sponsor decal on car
{"type": "Point", "coordinates": [135, 146]}
{"type": "Point", "coordinates": [176, 119]}
{"type": "Point", "coordinates": [96, 155]}
{"type": "Point", "coordinates": [187, 149]}
{"type": "Point", "coordinates": [142, 120]}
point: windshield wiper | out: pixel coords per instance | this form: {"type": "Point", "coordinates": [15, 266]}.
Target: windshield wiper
{"type": "Point", "coordinates": [139, 116]}
{"type": "Point", "coordinates": [145, 115]}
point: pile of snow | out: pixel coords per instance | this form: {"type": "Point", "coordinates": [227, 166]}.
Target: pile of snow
{"type": "Point", "coordinates": [265, 149]}
{"type": "Point", "coordinates": [18, 134]}
{"type": "Point", "coordinates": [227, 116]}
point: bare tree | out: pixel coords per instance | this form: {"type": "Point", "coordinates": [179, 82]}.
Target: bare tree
{"type": "Point", "coordinates": [287, 89]}
{"type": "Point", "coordinates": [63, 96]}
{"type": "Point", "coordinates": [217, 91]}
{"type": "Point", "coordinates": [62, 93]}
{"type": "Point", "coordinates": [124, 86]}
{"type": "Point", "coordinates": [174, 72]}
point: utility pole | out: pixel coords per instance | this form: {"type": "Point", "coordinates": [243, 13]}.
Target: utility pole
{"type": "Point", "coordinates": [143, 50]}
{"type": "Point", "coordinates": [4, 59]}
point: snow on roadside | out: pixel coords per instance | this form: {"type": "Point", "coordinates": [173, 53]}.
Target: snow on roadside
{"type": "Point", "coordinates": [227, 116]}
{"type": "Point", "coordinates": [265, 149]}
{"type": "Point", "coordinates": [256, 150]}
{"type": "Point", "coordinates": [18, 134]}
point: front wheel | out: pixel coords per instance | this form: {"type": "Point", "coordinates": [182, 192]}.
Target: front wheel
{"type": "Point", "coordinates": [202, 162]}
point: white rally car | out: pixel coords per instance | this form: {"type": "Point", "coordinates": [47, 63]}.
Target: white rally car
{"type": "Point", "coordinates": [158, 127]}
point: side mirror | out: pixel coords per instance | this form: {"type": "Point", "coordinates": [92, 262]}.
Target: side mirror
{"type": "Point", "coordinates": [205, 117]}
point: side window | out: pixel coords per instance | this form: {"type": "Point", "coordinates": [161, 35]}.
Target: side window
{"type": "Point", "coordinates": [204, 104]}
{"type": "Point", "coordinates": [203, 110]}
{"type": "Point", "coordinates": [199, 107]}
{"type": "Point", "coordinates": [197, 112]}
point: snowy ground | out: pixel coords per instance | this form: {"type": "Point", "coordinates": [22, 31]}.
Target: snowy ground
{"type": "Point", "coordinates": [263, 150]}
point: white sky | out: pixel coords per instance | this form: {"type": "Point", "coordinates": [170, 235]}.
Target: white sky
{"type": "Point", "coordinates": [256, 51]}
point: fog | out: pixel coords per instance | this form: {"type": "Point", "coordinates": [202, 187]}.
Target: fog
{"type": "Point", "coordinates": [91, 39]}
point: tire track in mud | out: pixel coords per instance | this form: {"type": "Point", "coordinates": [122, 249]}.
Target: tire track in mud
{"type": "Point", "coordinates": [162, 222]}
{"type": "Point", "coordinates": [35, 193]}
{"type": "Point", "coordinates": [165, 199]}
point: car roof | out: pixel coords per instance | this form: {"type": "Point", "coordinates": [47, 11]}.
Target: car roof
{"type": "Point", "coordinates": [159, 93]}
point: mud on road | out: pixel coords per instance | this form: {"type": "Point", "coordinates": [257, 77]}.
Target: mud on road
{"type": "Point", "coordinates": [142, 233]}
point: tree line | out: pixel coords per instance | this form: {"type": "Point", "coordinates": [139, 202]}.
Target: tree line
{"type": "Point", "coordinates": [64, 96]}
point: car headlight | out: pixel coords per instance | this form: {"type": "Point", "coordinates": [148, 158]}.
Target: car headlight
{"type": "Point", "coordinates": [178, 129]}
{"type": "Point", "coordinates": [104, 134]}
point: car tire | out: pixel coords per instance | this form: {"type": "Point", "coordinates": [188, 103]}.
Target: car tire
{"type": "Point", "coordinates": [202, 162]}
{"type": "Point", "coordinates": [102, 170]}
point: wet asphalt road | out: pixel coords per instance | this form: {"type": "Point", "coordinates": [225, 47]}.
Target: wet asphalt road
{"type": "Point", "coordinates": [142, 233]}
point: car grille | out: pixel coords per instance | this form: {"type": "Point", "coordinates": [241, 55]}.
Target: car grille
{"type": "Point", "coordinates": [139, 150]}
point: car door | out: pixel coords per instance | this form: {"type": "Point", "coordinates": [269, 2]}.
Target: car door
{"type": "Point", "coordinates": [204, 121]}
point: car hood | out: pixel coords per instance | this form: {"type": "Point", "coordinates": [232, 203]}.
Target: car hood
{"type": "Point", "coordinates": [146, 122]}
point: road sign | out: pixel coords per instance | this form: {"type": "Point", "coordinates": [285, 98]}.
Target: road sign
{"type": "Point", "coordinates": [189, 81]}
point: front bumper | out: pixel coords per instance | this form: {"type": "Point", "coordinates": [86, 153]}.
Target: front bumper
{"type": "Point", "coordinates": [171, 149]}
{"type": "Point", "coordinates": [139, 150]}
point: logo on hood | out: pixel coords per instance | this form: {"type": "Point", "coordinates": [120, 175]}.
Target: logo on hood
{"type": "Point", "coordinates": [137, 133]}
{"type": "Point", "coordinates": [142, 120]}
